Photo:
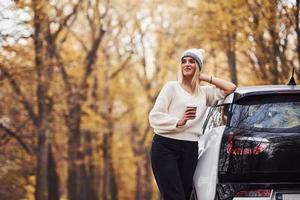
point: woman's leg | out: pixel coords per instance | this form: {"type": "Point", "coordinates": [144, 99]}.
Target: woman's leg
{"type": "Point", "coordinates": [164, 160]}
{"type": "Point", "coordinates": [188, 163]}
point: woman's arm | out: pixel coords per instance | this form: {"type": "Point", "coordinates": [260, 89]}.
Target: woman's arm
{"type": "Point", "coordinates": [227, 86]}
{"type": "Point", "coordinates": [159, 118]}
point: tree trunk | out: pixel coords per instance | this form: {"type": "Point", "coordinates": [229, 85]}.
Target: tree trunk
{"type": "Point", "coordinates": [297, 28]}
{"type": "Point", "coordinates": [148, 176]}
{"type": "Point", "coordinates": [53, 178]}
{"type": "Point", "coordinates": [232, 65]}
{"type": "Point", "coordinates": [230, 50]}
{"type": "Point", "coordinates": [74, 155]}
{"type": "Point", "coordinates": [143, 176]}
{"type": "Point", "coordinates": [42, 166]}
{"type": "Point", "coordinates": [110, 187]}
{"type": "Point", "coordinates": [43, 69]}
{"type": "Point", "coordinates": [275, 49]}
{"type": "Point", "coordinates": [89, 180]}
{"type": "Point", "coordinates": [138, 181]}
{"type": "Point", "coordinates": [82, 174]}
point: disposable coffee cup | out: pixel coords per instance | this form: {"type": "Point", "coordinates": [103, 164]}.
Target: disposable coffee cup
{"type": "Point", "coordinates": [192, 107]}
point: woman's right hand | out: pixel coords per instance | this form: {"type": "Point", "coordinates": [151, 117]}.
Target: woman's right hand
{"type": "Point", "coordinates": [190, 113]}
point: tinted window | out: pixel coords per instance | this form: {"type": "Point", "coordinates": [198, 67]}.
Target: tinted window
{"type": "Point", "coordinates": [217, 117]}
{"type": "Point", "coordinates": [275, 112]}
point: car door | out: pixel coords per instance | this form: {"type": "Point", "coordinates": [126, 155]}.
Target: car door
{"type": "Point", "coordinates": [205, 177]}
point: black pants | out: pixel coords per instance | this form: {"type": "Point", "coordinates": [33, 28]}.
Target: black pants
{"type": "Point", "coordinates": [173, 164]}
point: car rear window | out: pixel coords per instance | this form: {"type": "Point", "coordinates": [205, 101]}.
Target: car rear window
{"type": "Point", "coordinates": [276, 111]}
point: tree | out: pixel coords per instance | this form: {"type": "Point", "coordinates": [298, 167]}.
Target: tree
{"type": "Point", "coordinates": [76, 89]}
{"type": "Point", "coordinates": [270, 28]}
{"type": "Point", "coordinates": [159, 39]}
{"type": "Point", "coordinates": [43, 70]}
{"type": "Point", "coordinates": [44, 40]}
{"type": "Point", "coordinates": [220, 25]}
{"type": "Point", "coordinates": [297, 30]}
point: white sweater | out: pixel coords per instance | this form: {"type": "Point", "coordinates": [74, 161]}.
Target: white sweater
{"type": "Point", "coordinates": [170, 106]}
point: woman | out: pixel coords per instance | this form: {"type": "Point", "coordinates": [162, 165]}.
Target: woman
{"type": "Point", "coordinates": [177, 118]}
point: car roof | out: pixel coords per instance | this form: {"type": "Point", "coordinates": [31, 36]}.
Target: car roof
{"type": "Point", "coordinates": [242, 92]}
{"type": "Point", "coordinates": [267, 89]}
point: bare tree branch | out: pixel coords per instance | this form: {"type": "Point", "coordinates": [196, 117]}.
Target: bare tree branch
{"type": "Point", "coordinates": [19, 93]}
{"type": "Point", "coordinates": [64, 38]}
{"type": "Point", "coordinates": [103, 15]}
{"type": "Point", "coordinates": [63, 71]}
{"type": "Point", "coordinates": [91, 22]}
{"type": "Point", "coordinates": [79, 39]}
{"type": "Point", "coordinates": [65, 20]}
{"type": "Point", "coordinates": [18, 138]}
{"type": "Point", "coordinates": [123, 66]}
{"type": "Point", "coordinates": [92, 55]}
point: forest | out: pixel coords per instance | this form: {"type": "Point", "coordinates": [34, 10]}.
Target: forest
{"type": "Point", "coordinates": [79, 77]}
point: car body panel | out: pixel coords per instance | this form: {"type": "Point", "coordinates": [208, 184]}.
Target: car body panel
{"type": "Point", "coordinates": [242, 92]}
{"type": "Point", "coordinates": [206, 170]}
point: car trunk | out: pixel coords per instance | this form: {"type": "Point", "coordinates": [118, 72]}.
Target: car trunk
{"type": "Point", "coordinates": [252, 156]}
{"type": "Point", "coordinates": [262, 140]}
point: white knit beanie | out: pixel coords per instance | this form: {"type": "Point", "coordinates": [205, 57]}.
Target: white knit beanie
{"type": "Point", "coordinates": [197, 54]}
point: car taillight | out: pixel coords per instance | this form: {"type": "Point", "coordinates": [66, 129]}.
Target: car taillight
{"type": "Point", "coordinates": [254, 193]}
{"type": "Point", "coordinates": [260, 145]}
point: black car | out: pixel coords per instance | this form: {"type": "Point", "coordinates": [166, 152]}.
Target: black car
{"type": "Point", "coordinates": [250, 148]}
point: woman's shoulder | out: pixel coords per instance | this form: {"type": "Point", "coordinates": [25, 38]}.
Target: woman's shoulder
{"type": "Point", "coordinates": [171, 84]}
{"type": "Point", "coordinates": [170, 87]}
{"type": "Point", "coordinates": [206, 88]}
{"type": "Point", "coordinates": [210, 90]}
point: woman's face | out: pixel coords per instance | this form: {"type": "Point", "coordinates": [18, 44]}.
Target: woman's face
{"type": "Point", "coordinates": [188, 66]}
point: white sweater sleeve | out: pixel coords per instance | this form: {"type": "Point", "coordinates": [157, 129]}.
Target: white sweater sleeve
{"type": "Point", "coordinates": [213, 94]}
{"type": "Point", "coordinates": [159, 117]}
